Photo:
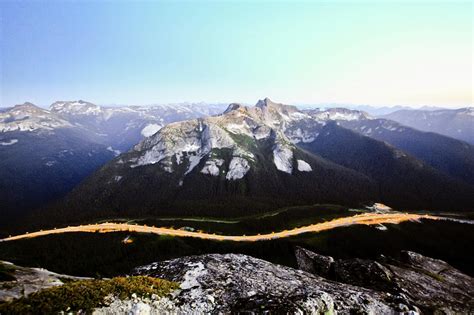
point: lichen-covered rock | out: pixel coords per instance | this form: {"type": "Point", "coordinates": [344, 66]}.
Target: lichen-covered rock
{"type": "Point", "coordinates": [433, 285]}
{"type": "Point", "coordinates": [238, 283]}
{"type": "Point", "coordinates": [414, 281]}
{"type": "Point", "coordinates": [312, 262]}
{"type": "Point", "coordinates": [365, 273]}
{"type": "Point", "coordinates": [25, 281]}
{"type": "Point", "coordinates": [233, 283]}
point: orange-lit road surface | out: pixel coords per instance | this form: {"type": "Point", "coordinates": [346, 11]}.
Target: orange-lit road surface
{"type": "Point", "coordinates": [366, 218]}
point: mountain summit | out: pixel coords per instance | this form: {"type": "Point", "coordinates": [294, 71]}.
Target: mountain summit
{"type": "Point", "coordinates": [258, 158]}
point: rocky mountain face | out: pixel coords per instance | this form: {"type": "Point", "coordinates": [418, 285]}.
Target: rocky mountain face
{"type": "Point", "coordinates": [404, 181]}
{"type": "Point", "coordinates": [45, 153]}
{"type": "Point", "coordinates": [457, 123]}
{"type": "Point", "coordinates": [122, 127]}
{"type": "Point", "coordinates": [216, 166]}
{"type": "Point", "coordinates": [28, 117]}
{"type": "Point", "coordinates": [448, 155]}
{"type": "Point", "coordinates": [42, 156]}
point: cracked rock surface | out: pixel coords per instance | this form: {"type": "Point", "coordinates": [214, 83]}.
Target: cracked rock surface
{"type": "Point", "coordinates": [217, 283]}
{"type": "Point", "coordinates": [415, 281]}
{"type": "Point", "coordinates": [235, 283]}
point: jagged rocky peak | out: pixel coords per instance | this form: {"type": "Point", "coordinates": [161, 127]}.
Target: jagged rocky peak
{"type": "Point", "coordinates": [234, 106]}
{"type": "Point", "coordinates": [239, 129]}
{"type": "Point", "coordinates": [279, 114]}
{"type": "Point", "coordinates": [79, 107]}
{"type": "Point", "coordinates": [267, 103]}
{"type": "Point", "coordinates": [242, 130]}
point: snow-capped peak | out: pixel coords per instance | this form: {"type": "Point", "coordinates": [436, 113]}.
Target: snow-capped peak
{"type": "Point", "coordinates": [338, 114]}
{"type": "Point", "coordinates": [29, 117]}
{"type": "Point", "coordinates": [75, 107]}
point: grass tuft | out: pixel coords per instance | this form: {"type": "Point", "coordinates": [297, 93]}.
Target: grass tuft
{"type": "Point", "coordinates": [85, 295]}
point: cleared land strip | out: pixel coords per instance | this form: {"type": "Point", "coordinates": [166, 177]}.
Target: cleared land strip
{"type": "Point", "coordinates": [366, 219]}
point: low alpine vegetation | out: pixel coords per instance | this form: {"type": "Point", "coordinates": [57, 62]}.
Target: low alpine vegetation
{"type": "Point", "coordinates": [85, 295]}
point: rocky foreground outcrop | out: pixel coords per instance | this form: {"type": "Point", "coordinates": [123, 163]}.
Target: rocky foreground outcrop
{"type": "Point", "coordinates": [17, 282]}
{"type": "Point", "coordinates": [234, 283]}
{"type": "Point", "coordinates": [423, 283]}
{"type": "Point", "coordinates": [238, 283]}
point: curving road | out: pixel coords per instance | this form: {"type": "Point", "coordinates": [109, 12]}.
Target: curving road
{"type": "Point", "coordinates": [366, 218]}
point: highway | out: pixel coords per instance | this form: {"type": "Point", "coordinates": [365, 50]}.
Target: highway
{"type": "Point", "coordinates": [366, 219]}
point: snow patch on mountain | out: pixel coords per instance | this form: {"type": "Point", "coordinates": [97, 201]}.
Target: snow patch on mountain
{"type": "Point", "coordinates": [192, 140]}
{"type": "Point", "coordinates": [262, 132]}
{"type": "Point", "coordinates": [283, 158]}
{"type": "Point", "coordinates": [236, 129]}
{"type": "Point", "coordinates": [151, 156]}
{"type": "Point", "coordinates": [150, 130]}
{"type": "Point", "coordinates": [212, 167]}
{"type": "Point", "coordinates": [339, 114]}
{"type": "Point", "coordinates": [9, 142]}
{"type": "Point", "coordinates": [115, 152]}
{"type": "Point", "coordinates": [193, 162]}
{"type": "Point", "coordinates": [50, 163]}
{"type": "Point", "coordinates": [299, 116]}
{"type": "Point", "coordinates": [300, 135]}
{"type": "Point", "coordinates": [28, 117]}
{"type": "Point", "coordinates": [76, 108]}
{"type": "Point", "coordinates": [303, 166]}
{"type": "Point", "coordinates": [238, 167]}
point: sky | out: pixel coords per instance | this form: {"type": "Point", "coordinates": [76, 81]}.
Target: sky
{"type": "Point", "coordinates": [135, 52]}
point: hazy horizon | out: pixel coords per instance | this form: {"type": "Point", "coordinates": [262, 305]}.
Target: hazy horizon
{"type": "Point", "coordinates": [321, 105]}
{"type": "Point", "coordinates": [378, 54]}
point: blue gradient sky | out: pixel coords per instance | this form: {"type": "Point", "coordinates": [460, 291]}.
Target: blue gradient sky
{"type": "Point", "coordinates": [156, 52]}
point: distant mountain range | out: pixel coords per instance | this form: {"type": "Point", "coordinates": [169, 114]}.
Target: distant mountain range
{"type": "Point", "coordinates": [371, 109]}
{"type": "Point", "coordinates": [45, 153]}
{"type": "Point", "coordinates": [458, 123]}
{"type": "Point", "coordinates": [253, 159]}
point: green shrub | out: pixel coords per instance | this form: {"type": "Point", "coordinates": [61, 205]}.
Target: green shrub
{"type": "Point", "coordinates": [85, 295]}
